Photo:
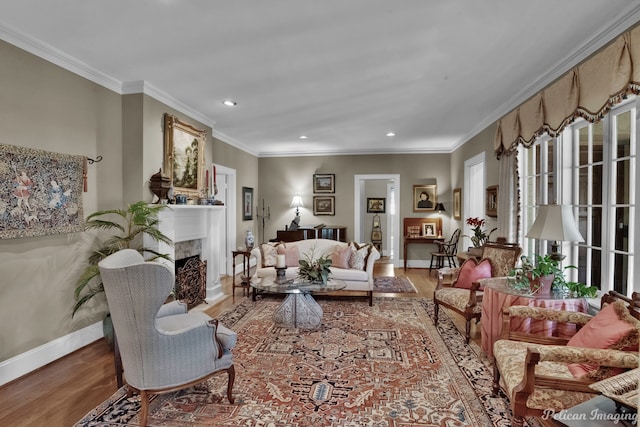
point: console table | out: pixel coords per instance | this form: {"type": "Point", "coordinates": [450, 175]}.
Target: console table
{"type": "Point", "coordinates": [414, 232]}
{"type": "Point", "coordinates": [498, 294]}
{"type": "Point", "coordinates": [331, 232]}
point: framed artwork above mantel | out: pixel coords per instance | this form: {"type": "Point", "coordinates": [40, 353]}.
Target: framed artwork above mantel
{"type": "Point", "coordinates": [184, 157]}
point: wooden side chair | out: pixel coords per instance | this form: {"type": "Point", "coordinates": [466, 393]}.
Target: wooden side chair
{"type": "Point", "coordinates": [446, 250]}
{"type": "Point", "coordinates": [464, 294]}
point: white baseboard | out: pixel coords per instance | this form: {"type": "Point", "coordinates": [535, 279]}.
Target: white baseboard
{"type": "Point", "coordinates": [38, 357]}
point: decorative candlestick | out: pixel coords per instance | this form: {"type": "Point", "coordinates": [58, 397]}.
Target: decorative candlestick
{"type": "Point", "coordinates": [280, 274]}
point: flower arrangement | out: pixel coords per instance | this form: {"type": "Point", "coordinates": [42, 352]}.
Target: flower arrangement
{"type": "Point", "coordinates": [480, 235]}
{"type": "Point", "coordinates": [315, 270]}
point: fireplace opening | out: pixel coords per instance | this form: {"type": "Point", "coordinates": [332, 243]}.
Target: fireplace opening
{"type": "Point", "coordinates": [191, 279]}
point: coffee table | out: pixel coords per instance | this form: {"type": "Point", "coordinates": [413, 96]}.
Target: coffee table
{"type": "Point", "coordinates": [299, 309]}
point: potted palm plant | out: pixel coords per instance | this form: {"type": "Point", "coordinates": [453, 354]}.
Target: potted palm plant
{"type": "Point", "coordinates": [128, 226]}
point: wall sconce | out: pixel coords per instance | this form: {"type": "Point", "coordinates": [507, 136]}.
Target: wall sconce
{"type": "Point", "coordinates": [440, 208]}
{"type": "Point", "coordinates": [555, 223]}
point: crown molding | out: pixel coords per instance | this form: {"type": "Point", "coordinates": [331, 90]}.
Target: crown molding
{"type": "Point", "coordinates": [57, 57]}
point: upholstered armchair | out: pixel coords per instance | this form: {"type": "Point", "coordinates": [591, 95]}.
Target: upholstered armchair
{"type": "Point", "coordinates": [545, 374]}
{"type": "Point", "coordinates": [458, 289]}
{"type": "Point", "coordinates": [163, 347]}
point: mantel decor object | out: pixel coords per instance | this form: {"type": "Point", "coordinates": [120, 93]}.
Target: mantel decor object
{"type": "Point", "coordinates": [160, 185]}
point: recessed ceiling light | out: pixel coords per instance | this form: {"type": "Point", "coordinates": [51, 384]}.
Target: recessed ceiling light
{"type": "Point", "coordinates": [391, 134]}
{"type": "Point", "coordinates": [229, 103]}
{"type": "Point", "coordinates": [303, 136]}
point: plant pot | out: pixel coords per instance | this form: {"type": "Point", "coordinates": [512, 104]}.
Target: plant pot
{"type": "Point", "coordinates": [542, 285]}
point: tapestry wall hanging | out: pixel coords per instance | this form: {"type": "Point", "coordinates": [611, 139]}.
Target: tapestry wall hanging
{"type": "Point", "coordinates": [40, 192]}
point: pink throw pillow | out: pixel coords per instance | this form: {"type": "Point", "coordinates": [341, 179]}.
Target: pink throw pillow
{"type": "Point", "coordinates": [471, 271]}
{"type": "Point", "coordinates": [340, 257]}
{"type": "Point", "coordinates": [291, 255]}
{"type": "Point", "coordinates": [613, 327]}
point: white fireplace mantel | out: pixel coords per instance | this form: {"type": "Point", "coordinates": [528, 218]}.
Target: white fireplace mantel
{"type": "Point", "coordinates": [182, 223]}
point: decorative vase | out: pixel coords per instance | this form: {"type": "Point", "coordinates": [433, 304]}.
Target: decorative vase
{"type": "Point", "coordinates": [542, 285]}
{"type": "Point", "coordinates": [249, 240]}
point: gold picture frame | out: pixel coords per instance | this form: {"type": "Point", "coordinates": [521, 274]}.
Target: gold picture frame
{"type": "Point", "coordinates": [424, 198]}
{"type": "Point", "coordinates": [457, 203]}
{"type": "Point", "coordinates": [184, 156]}
{"type": "Point", "coordinates": [492, 201]}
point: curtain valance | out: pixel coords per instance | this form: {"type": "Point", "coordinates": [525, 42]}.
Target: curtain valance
{"type": "Point", "coordinates": [588, 90]}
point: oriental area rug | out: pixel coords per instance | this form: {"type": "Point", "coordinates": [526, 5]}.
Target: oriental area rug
{"type": "Point", "coordinates": [390, 284]}
{"type": "Point", "coordinates": [385, 365]}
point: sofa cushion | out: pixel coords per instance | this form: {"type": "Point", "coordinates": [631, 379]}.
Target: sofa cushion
{"type": "Point", "coordinates": [613, 327]}
{"type": "Point", "coordinates": [269, 252]}
{"type": "Point", "coordinates": [359, 255]}
{"type": "Point", "coordinates": [340, 256]}
{"type": "Point", "coordinates": [291, 255]}
{"type": "Point", "coordinates": [471, 270]}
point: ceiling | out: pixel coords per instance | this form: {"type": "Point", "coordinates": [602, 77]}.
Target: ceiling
{"type": "Point", "coordinates": [342, 72]}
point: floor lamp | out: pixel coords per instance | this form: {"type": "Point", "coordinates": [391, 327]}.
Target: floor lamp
{"type": "Point", "coordinates": [555, 223]}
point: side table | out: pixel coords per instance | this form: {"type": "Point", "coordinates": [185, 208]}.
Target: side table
{"type": "Point", "coordinates": [245, 276]}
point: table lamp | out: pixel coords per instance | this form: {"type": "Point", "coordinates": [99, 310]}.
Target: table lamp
{"type": "Point", "coordinates": [555, 223]}
{"type": "Point", "coordinates": [296, 203]}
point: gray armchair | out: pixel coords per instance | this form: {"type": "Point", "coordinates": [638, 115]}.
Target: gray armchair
{"type": "Point", "coordinates": [163, 347]}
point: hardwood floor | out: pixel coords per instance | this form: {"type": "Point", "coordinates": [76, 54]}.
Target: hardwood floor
{"type": "Point", "coordinates": [62, 392]}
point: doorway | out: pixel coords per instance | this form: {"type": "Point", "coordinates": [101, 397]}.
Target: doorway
{"type": "Point", "coordinates": [391, 226]}
{"type": "Point", "coordinates": [474, 190]}
{"type": "Point", "coordinates": [226, 183]}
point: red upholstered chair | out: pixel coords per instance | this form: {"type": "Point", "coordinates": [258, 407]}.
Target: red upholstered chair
{"type": "Point", "coordinates": [463, 295]}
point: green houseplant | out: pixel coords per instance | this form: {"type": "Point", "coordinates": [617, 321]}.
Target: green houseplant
{"type": "Point", "coordinates": [315, 270]}
{"type": "Point", "coordinates": [128, 226]}
{"type": "Point", "coordinates": [546, 275]}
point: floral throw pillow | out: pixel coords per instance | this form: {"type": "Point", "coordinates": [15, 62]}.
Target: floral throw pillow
{"type": "Point", "coordinates": [269, 254]}
{"type": "Point", "coordinates": [359, 255]}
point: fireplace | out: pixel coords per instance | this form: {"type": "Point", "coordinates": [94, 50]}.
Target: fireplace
{"type": "Point", "coordinates": [191, 279]}
{"type": "Point", "coordinates": [195, 230]}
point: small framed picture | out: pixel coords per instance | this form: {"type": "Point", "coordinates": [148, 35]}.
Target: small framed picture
{"type": "Point", "coordinates": [429, 230]}
{"type": "Point", "coordinates": [376, 235]}
{"type": "Point", "coordinates": [375, 205]}
{"type": "Point", "coordinates": [457, 203]}
{"type": "Point", "coordinates": [247, 203]}
{"type": "Point", "coordinates": [324, 205]}
{"type": "Point", "coordinates": [324, 183]}
{"type": "Point", "coordinates": [424, 198]}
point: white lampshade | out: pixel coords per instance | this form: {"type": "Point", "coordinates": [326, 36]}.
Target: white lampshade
{"type": "Point", "coordinates": [296, 202]}
{"type": "Point", "coordinates": [555, 222]}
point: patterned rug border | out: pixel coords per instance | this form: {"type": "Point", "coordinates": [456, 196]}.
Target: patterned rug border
{"type": "Point", "coordinates": [473, 368]}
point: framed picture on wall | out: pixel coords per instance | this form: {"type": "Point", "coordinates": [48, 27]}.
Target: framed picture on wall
{"type": "Point", "coordinates": [457, 203]}
{"type": "Point", "coordinates": [247, 203]}
{"type": "Point", "coordinates": [375, 204]}
{"type": "Point", "coordinates": [184, 156]}
{"type": "Point", "coordinates": [324, 183]}
{"type": "Point", "coordinates": [324, 205]}
{"type": "Point", "coordinates": [492, 201]}
{"type": "Point", "coordinates": [424, 198]}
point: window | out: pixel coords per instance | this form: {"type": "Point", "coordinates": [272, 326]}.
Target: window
{"type": "Point", "coordinates": [591, 166]}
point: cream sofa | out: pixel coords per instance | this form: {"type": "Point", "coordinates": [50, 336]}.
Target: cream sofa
{"type": "Point", "coordinates": [359, 272]}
